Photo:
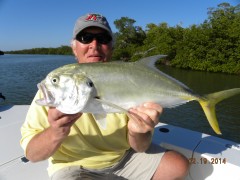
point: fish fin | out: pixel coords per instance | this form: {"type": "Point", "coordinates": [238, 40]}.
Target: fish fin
{"type": "Point", "coordinates": [209, 102]}
{"type": "Point", "coordinates": [134, 117]}
{"type": "Point", "coordinates": [101, 120]}
{"type": "Point", "coordinates": [150, 61]}
{"type": "Point", "coordinates": [111, 105]}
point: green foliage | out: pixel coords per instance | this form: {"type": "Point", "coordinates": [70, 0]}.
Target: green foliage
{"type": "Point", "coordinates": [63, 50]}
{"type": "Point", "coordinates": [212, 46]}
{"type": "Point", "coordinates": [128, 39]}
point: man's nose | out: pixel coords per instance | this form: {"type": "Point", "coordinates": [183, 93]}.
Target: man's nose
{"type": "Point", "coordinates": [94, 44]}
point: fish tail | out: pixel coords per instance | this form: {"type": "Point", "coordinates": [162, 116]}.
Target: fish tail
{"type": "Point", "coordinates": [209, 102]}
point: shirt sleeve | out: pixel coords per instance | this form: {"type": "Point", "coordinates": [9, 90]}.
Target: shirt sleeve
{"type": "Point", "coordinates": [36, 121]}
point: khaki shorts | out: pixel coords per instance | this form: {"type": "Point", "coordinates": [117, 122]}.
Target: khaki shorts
{"type": "Point", "coordinates": [139, 166]}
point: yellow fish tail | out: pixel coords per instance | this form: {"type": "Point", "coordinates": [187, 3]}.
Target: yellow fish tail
{"type": "Point", "coordinates": [209, 102]}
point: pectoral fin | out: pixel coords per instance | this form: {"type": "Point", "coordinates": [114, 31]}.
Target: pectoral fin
{"type": "Point", "coordinates": [111, 105]}
{"type": "Point", "coordinates": [101, 120]}
{"type": "Point", "coordinates": [132, 116]}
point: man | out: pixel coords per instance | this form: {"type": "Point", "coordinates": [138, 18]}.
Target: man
{"type": "Point", "coordinates": [78, 148]}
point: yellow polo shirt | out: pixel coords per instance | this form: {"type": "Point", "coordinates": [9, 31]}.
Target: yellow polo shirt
{"type": "Point", "coordinates": [87, 144]}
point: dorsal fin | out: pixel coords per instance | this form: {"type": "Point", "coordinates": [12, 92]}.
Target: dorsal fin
{"type": "Point", "coordinates": [150, 61]}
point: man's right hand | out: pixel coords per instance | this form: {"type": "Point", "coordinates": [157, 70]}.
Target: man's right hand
{"type": "Point", "coordinates": [61, 123]}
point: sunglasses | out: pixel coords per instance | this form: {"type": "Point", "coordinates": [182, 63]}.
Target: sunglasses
{"type": "Point", "coordinates": [86, 38]}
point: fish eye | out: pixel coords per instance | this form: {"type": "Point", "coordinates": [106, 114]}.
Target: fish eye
{"type": "Point", "coordinates": [55, 80]}
{"type": "Point", "coordinates": [90, 84]}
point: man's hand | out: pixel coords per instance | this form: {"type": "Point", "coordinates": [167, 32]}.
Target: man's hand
{"type": "Point", "coordinates": [141, 124]}
{"type": "Point", "coordinates": [60, 123]}
{"type": "Point", "coordinates": [144, 118]}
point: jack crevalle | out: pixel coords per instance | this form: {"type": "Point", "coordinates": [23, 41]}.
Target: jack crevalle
{"type": "Point", "coordinates": [101, 88]}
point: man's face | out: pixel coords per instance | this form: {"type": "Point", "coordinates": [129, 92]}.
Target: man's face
{"type": "Point", "coordinates": [93, 51]}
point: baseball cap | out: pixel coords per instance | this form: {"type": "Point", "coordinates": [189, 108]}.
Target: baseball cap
{"type": "Point", "coordinates": [90, 20]}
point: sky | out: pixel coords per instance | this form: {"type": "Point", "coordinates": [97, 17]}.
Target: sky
{"type": "Point", "coordinates": [26, 24]}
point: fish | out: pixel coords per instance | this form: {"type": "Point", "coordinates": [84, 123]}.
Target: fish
{"type": "Point", "coordinates": [115, 87]}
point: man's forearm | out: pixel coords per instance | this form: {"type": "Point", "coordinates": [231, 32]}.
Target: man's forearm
{"type": "Point", "coordinates": [140, 141]}
{"type": "Point", "coordinates": [42, 146]}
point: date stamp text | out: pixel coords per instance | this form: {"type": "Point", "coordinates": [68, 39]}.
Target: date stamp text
{"type": "Point", "coordinates": [203, 160]}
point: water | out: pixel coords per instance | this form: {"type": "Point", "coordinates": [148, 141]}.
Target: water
{"type": "Point", "coordinates": [21, 73]}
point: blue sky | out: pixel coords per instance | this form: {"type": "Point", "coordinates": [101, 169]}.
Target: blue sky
{"type": "Point", "coordinates": [26, 24]}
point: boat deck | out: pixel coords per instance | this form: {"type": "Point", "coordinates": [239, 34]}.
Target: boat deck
{"type": "Point", "coordinates": [211, 158]}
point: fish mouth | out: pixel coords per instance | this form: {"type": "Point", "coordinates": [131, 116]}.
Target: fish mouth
{"type": "Point", "coordinates": [48, 99]}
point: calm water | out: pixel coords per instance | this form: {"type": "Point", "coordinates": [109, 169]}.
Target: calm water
{"type": "Point", "coordinates": [20, 74]}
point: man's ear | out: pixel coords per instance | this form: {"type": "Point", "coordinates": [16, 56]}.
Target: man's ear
{"type": "Point", "coordinates": [73, 45]}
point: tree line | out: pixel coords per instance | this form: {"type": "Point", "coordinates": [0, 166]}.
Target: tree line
{"type": "Point", "coordinates": [63, 50]}
{"type": "Point", "coordinates": [213, 45]}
